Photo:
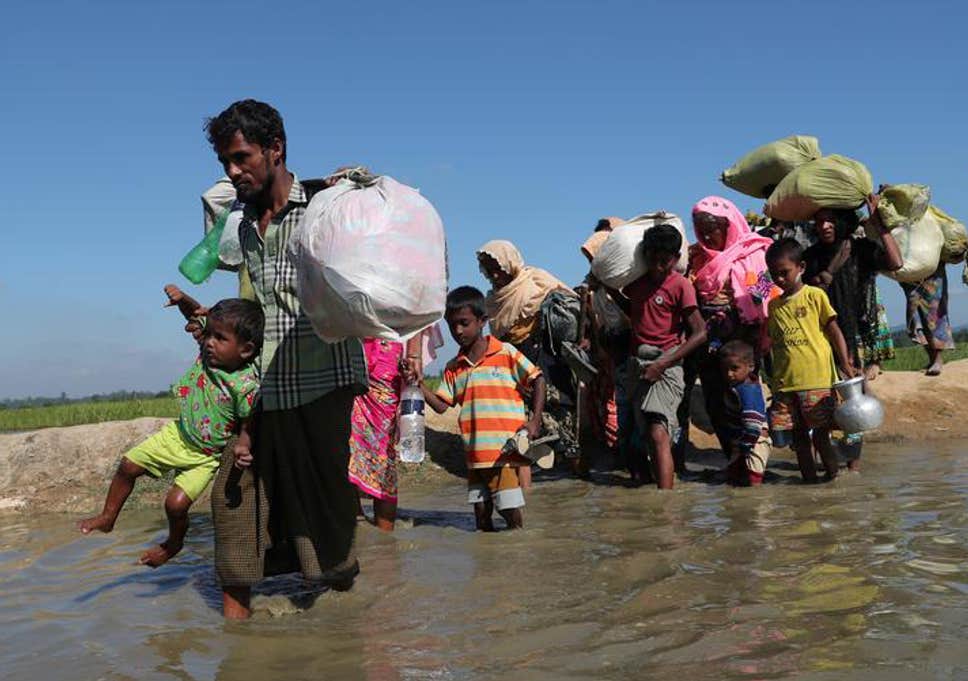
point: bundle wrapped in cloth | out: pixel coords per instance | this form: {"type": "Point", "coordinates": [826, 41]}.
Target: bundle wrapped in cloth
{"type": "Point", "coordinates": [371, 260]}
{"type": "Point", "coordinates": [925, 234]}
{"type": "Point", "coordinates": [829, 182]}
{"type": "Point", "coordinates": [955, 238]}
{"type": "Point", "coordinates": [920, 244]}
{"type": "Point", "coordinates": [761, 170]}
{"type": "Point", "coordinates": [617, 263]}
{"type": "Point", "coordinates": [903, 204]}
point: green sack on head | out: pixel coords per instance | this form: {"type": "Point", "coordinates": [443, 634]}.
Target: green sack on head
{"type": "Point", "coordinates": [955, 238]}
{"type": "Point", "coordinates": [757, 173]}
{"type": "Point", "coordinates": [902, 204]}
{"type": "Point", "coordinates": [829, 182]}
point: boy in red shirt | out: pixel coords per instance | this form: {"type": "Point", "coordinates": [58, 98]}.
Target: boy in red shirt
{"type": "Point", "coordinates": [661, 306]}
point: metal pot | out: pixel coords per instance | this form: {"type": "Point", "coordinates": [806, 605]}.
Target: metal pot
{"type": "Point", "coordinates": [857, 412]}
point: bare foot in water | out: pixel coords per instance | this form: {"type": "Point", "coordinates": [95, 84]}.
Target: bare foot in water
{"type": "Point", "coordinates": [102, 523]}
{"type": "Point", "coordinates": [159, 555]}
{"type": "Point", "coordinates": [934, 369]}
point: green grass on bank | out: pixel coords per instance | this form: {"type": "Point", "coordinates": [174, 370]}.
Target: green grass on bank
{"type": "Point", "coordinates": [76, 413]}
{"type": "Point", "coordinates": [914, 358]}
{"type": "Point", "coordinates": [97, 411]}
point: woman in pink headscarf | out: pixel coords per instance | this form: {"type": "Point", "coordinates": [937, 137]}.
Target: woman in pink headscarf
{"type": "Point", "coordinates": [733, 287]}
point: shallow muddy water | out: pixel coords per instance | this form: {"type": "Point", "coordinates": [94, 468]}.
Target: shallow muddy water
{"type": "Point", "coordinates": [866, 578]}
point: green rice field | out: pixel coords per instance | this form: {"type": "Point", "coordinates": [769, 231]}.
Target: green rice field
{"type": "Point", "coordinates": [76, 413]}
{"type": "Point", "coordinates": [911, 358]}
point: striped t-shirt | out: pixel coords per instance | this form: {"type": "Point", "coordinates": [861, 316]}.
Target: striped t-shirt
{"type": "Point", "coordinates": [490, 395]}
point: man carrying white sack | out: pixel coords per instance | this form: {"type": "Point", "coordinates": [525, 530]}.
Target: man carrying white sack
{"type": "Point", "coordinates": [287, 506]}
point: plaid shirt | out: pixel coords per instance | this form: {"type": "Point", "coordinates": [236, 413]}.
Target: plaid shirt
{"type": "Point", "coordinates": [295, 367]}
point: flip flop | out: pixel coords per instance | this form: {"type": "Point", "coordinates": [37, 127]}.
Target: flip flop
{"type": "Point", "coordinates": [539, 451]}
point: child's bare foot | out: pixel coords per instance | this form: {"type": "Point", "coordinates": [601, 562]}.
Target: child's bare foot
{"type": "Point", "coordinates": [160, 554]}
{"type": "Point", "coordinates": [101, 523]}
{"type": "Point", "coordinates": [934, 369]}
{"type": "Point", "coordinates": [872, 371]}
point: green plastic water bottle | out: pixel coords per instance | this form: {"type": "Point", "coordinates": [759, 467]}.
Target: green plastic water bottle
{"type": "Point", "coordinates": [199, 263]}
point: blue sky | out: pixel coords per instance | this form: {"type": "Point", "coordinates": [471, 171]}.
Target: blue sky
{"type": "Point", "coordinates": [524, 120]}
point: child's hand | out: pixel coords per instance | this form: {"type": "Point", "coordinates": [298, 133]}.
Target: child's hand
{"type": "Point", "coordinates": [242, 453]}
{"type": "Point", "coordinates": [654, 370]}
{"type": "Point", "coordinates": [175, 295]}
{"type": "Point", "coordinates": [412, 370]}
{"type": "Point", "coordinates": [849, 370]}
{"type": "Point", "coordinates": [533, 427]}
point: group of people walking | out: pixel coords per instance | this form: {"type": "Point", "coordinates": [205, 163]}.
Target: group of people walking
{"type": "Point", "coordinates": [787, 302]}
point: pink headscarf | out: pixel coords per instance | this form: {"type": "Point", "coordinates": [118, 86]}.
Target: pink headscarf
{"type": "Point", "coordinates": [742, 262]}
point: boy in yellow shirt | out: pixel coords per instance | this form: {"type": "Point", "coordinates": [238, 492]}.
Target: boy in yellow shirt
{"type": "Point", "coordinates": [803, 328]}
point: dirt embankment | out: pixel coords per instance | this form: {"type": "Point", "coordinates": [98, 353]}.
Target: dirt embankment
{"type": "Point", "coordinates": [68, 469]}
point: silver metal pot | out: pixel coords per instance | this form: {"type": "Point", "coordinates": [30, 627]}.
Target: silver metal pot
{"type": "Point", "coordinates": [857, 412]}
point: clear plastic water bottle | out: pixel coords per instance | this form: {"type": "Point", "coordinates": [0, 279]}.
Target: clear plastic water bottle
{"type": "Point", "coordinates": [411, 425]}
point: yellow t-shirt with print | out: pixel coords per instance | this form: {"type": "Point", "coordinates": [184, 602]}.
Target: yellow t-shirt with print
{"type": "Point", "coordinates": [802, 356]}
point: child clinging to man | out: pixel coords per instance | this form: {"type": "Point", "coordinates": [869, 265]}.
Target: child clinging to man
{"type": "Point", "coordinates": [803, 328]}
{"type": "Point", "coordinates": [215, 397]}
{"type": "Point", "coordinates": [666, 328]}
{"type": "Point", "coordinates": [745, 412]}
{"type": "Point", "coordinates": [488, 380]}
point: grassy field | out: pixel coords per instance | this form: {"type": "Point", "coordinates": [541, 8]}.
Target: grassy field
{"type": "Point", "coordinates": [914, 358]}
{"type": "Point", "coordinates": [75, 413]}
{"type": "Point", "coordinates": [96, 411]}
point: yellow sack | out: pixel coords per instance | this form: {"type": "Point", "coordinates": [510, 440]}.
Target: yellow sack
{"type": "Point", "coordinates": [955, 238]}
{"type": "Point", "coordinates": [902, 204]}
{"type": "Point", "coordinates": [757, 173]}
{"type": "Point", "coordinates": [829, 182]}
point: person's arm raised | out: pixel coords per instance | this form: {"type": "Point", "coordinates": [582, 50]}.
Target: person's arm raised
{"type": "Point", "coordinates": [893, 260]}
{"type": "Point", "coordinates": [190, 308]}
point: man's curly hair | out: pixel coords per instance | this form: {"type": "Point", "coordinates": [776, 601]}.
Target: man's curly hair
{"type": "Point", "coordinates": [258, 122]}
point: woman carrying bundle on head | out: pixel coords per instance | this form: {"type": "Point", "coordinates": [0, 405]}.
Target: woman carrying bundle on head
{"type": "Point", "coordinates": [733, 287]}
{"type": "Point", "coordinates": [519, 308]}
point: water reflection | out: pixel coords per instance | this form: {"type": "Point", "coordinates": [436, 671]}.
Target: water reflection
{"type": "Point", "coordinates": [865, 578]}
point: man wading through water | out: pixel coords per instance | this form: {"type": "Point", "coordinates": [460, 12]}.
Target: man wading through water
{"type": "Point", "coordinates": [286, 505]}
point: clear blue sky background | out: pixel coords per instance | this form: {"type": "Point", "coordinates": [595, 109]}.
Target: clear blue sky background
{"type": "Point", "coordinates": [523, 120]}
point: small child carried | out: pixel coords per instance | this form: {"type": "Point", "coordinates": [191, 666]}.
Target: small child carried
{"type": "Point", "coordinates": [487, 380]}
{"type": "Point", "coordinates": [215, 398]}
{"type": "Point", "coordinates": [803, 328]}
{"type": "Point", "coordinates": [745, 412]}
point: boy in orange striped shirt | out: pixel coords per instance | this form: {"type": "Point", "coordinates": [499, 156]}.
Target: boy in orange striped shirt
{"type": "Point", "coordinates": [488, 379]}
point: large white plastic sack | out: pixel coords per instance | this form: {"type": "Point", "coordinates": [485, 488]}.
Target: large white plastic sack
{"type": "Point", "coordinates": [371, 261]}
{"type": "Point", "coordinates": [920, 244]}
{"type": "Point", "coordinates": [616, 264]}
